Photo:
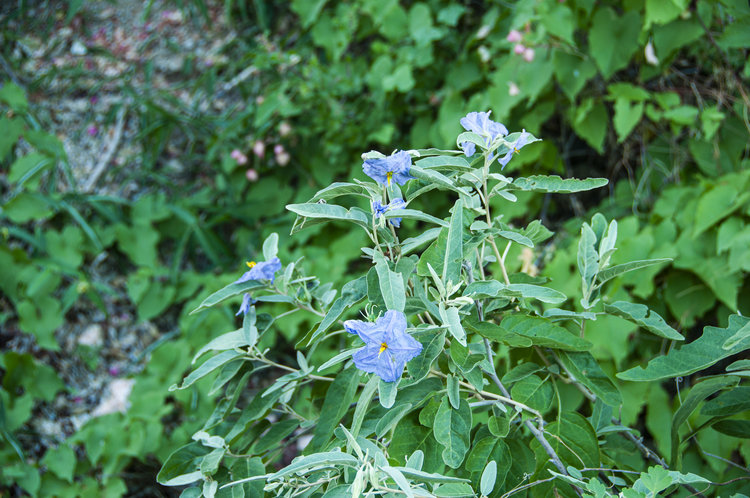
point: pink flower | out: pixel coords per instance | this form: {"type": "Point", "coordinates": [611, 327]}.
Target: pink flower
{"type": "Point", "coordinates": [92, 130]}
{"type": "Point", "coordinates": [278, 149]}
{"type": "Point", "coordinates": [528, 54]}
{"type": "Point", "coordinates": [519, 49]}
{"type": "Point", "coordinates": [114, 371]}
{"type": "Point", "coordinates": [259, 149]}
{"type": "Point", "coordinates": [513, 89]}
{"type": "Point", "coordinates": [285, 129]}
{"type": "Point", "coordinates": [282, 156]}
{"type": "Point", "coordinates": [251, 175]}
{"type": "Point", "coordinates": [238, 156]}
{"type": "Point", "coordinates": [514, 36]}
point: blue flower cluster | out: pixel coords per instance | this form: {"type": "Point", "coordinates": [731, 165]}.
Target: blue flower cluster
{"type": "Point", "coordinates": [379, 210]}
{"type": "Point", "coordinates": [481, 124]}
{"type": "Point", "coordinates": [387, 345]}
{"type": "Point", "coordinates": [393, 168]}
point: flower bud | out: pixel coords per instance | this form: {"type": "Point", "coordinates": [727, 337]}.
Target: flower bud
{"type": "Point", "coordinates": [251, 175]}
{"type": "Point", "coordinates": [519, 49]}
{"type": "Point", "coordinates": [514, 36]}
{"type": "Point", "coordinates": [259, 149]}
{"type": "Point", "coordinates": [528, 54]}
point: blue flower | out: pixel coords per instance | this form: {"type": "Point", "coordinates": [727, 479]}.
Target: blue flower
{"type": "Point", "coordinates": [481, 124]}
{"type": "Point", "coordinates": [387, 345]}
{"type": "Point", "coordinates": [522, 140]}
{"type": "Point", "coordinates": [264, 270]}
{"type": "Point", "coordinates": [391, 168]}
{"type": "Point", "coordinates": [247, 301]}
{"type": "Point", "coordinates": [379, 210]}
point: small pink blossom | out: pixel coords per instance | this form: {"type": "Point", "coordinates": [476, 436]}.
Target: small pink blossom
{"type": "Point", "coordinates": [238, 156]}
{"type": "Point", "coordinates": [92, 130]}
{"type": "Point", "coordinates": [278, 149]}
{"type": "Point", "coordinates": [285, 129]}
{"type": "Point", "coordinates": [514, 36]}
{"type": "Point", "coordinates": [259, 149]}
{"type": "Point", "coordinates": [513, 89]}
{"type": "Point", "coordinates": [251, 175]}
{"type": "Point", "coordinates": [528, 54]}
{"type": "Point", "coordinates": [282, 156]}
{"type": "Point", "coordinates": [519, 49]}
{"type": "Point", "coordinates": [114, 371]}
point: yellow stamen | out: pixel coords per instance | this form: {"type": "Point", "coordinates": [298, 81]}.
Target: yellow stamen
{"type": "Point", "coordinates": [250, 264]}
{"type": "Point", "coordinates": [383, 347]}
{"type": "Point", "coordinates": [389, 175]}
{"type": "Point", "coordinates": [515, 150]}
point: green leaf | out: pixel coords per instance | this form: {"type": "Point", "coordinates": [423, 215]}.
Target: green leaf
{"type": "Point", "coordinates": [432, 177]}
{"type": "Point", "coordinates": [452, 390]}
{"type": "Point", "coordinates": [643, 317]}
{"type": "Point", "coordinates": [588, 263]}
{"type": "Point", "coordinates": [206, 368]}
{"type": "Point", "coordinates": [352, 293]}
{"type": "Point", "coordinates": [627, 115]}
{"type": "Point", "coordinates": [182, 466]}
{"type": "Point", "coordinates": [515, 237]}
{"type": "Point", "coordinates": [330, 212]}
{"type": "Point", "coordinates": [698, 393]}
{"type": "Point", "coordinates": [454, 246]}
{"type": "Point", "coordinates": [413, 243]}
{"type": "Point", "coordinates": [606, 26]}
{"type": "Point", "coordinates": [391, 418]}
{"type": "Point", "coordinates": [577, 443]}
{"type": "Point", "coordinates": [14, 96]}
{"type": "Point", "coordinates": [590, 121]}
{"type": "Point", "coordinates": [338, 189]}
{"type": "Point", "coordinates": [316, 461]}
{"type": "Point", "coordinates": [452, 429]}
{"type": "Point", "coordinates": [487, 481]}
{"type": "Point", "coordinates": [728, 403]}
{"type": "Point", "coordinates": [613, 271]}
{"type": "Point", "coordinates": [428, 477]}
{"type": "Point", "coordinates": [432, 346]}
{"type": "Point", "coordinates": [534, 392]}
{"type": "Point", "coordinates": [663, 11]}
{"type": "Point", "coordinates": [391, 285]}
{"type": "Point", "coordinates": [690, 358]}
{"type": "Point", "coordinates": [714, 205]}
{"type": "Point", "coordinates": [413, 214]}
{"type": "Point", "coordinates": [61, 461]}
{"type": "Point", "coordinates": [450, 163]}
{"type": "Point", "coordinates": [493, 288]}
{"type": "Point", "coordinates": [338, 398]}
{"type": "Point", "coordinates": [543, 332]}
{"type": "Point", "coordinates": [452, 321]}
{"type": "Point", "coordinates": [553, 183]}
{"type": "Point", "coordinates": [277, 432]}
{"type": "Point", "coordinates": [738, 338]}
{"type": "Point", "coordinates": [387, 392]}
{"type": "Point", "coordinates": [587, 371]}
{"type": "Point", "coordinates": [230, 290]}
{"type": "Point", "coordinates": [454, 490]}
{"type": "Point", "coordinates": [734, 428]}
{"type": "Point", "coordinates": [572, 72]}
{"type": "Point", "coordinates": [271, 246]}
{"type": "Point", "coordinates": [307, 10]}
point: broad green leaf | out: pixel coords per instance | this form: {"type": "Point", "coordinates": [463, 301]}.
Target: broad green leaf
{"type": "Point", "coordinates": [452, 429]}
{"type": "Point", "coordinates": [553, 183]}
{"type": "Point", "coordinates": [274, 435]}
{"type": "Point", "coordinates": [392, 418]}
{"type": "Point", "coordinates": [453, 393]}
{"type": "Point", "coordinates": [487, 481]}
{"type": "Point", "coordinates": [454, 490]}
{"type": "Point", "coordinates": [544, 333]}
{"type": "Point", "coordinates": [432, 346]}
{"type": "Point", "coordinates": [182, 465]}
{"type": "Point", "coordinates": [271, 246]}
{"type": "Point", "coordinates": [399, 479]}
{"type": "Point", "coordinates": [728, 403]}
{"type": "Point", "coordinates": [335, 405]}
{"type": "Point", "coordinates": [613, 271]}
{"type": "Point", "coordinates": [432, 177]}
{"type": "Point", "coordinates": [454, 246]}
{"type": "Point", "coordinates": [481, 451]}
{"type": "Point", "coordinates": [588, 262]}
{"type": "Point", "coordinates": [576, 441]}
{"type": "Point", "coordinates": [698, 393]}
{"type": "Point", "coordinates": [738, 338]}
{"type": "Point", "coordinates": [230, 340]}
{"type": "Point", "coordinates": [391, 285]}
{"type": "Point", "coordinates": [520, 372]}
{"type": "Point", "coordinates": [493, 288]}
{"type": "Point", "coordinates": [606, 26]}
{"type": "Point", "coordinates": [444, 162]}
{"type": "Point", "coordinates": [413, 243]}
{"type": "Point", "coordinates": [590, 121]}
{"type": "Point", "coordinates": [206, 368]}
{"type": "Point", "coordinates": [338, 189]}
{"type": "Point", "coordinates": [643, 317]}
{"type": "Point", "coordinates": [515, 237]}
{"type": "Point", "coordinates": [534, 392]}
{"type": "Point", "coordinates": [690, 358]}
{"type": "Point", "coordinates": [331, 212]}
{"type": "Point", "coordinates": [588, 372]}
{"type": "Point", "coordinates": [352, 292]}
{"type": "Point", "coordinates": [714, 205]}
{"type": "Point", "coordinates": [428, 477]}
{"type": "Point", "coordinates": [387, 392]}
{"type": "Point", "coordinates": [230, 290]}
{"type": "Point", "coordinates": [734, 428]}
{"type": "Point", "coordinates": [61, 461]}
{"type": "Point", "coordinates": [627, 115]}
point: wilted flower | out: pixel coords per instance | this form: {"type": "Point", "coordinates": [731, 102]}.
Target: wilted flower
{"type": "Point", "coordinates": [379, 210]}
{"type": "Point", "coordinates": [528, 54]}
{"type": "Point", "coordinates": [481, 124]}
{"type": "Point", "coordinates": [515, 147]}
{"type": "Point", "coordinates": [519, 49]}
{"type": "Point", "coordinates": [514, 36]}
{"type": "Point", "coordinates": [390, 168]}
{"type": "Point", "coordinates": [247, 301]}
{"type": "Point", "coordinates": [387, 345]}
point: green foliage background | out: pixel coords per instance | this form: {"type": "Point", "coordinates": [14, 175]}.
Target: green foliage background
{"type": "Point", "coordinates": [650, 94]}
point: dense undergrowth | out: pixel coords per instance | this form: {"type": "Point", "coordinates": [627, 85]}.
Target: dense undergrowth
{"type": "Point", "coordinates": [301, 90]}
